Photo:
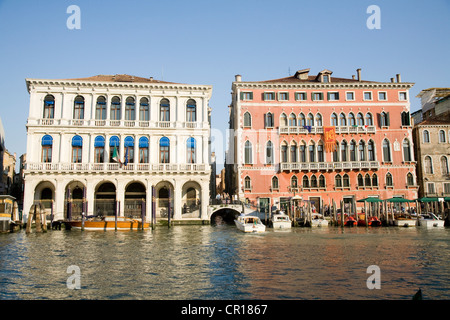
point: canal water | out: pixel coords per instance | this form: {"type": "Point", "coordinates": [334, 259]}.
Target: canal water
{"type": "Point", "coordinates": [220, 262]}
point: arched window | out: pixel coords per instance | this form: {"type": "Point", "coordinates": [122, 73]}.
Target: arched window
{"type": "Point", "coordinates": [248, 159]}
{"type": "Point", "coordinates": [444, 165]}
{"type": "Point", "coordinates": [342, 120]}
{"type": "Point", "coordinates": [360, 180]}
{"type": "Point", "coordinates": [130, 109]}
{"type": "Point", "coordinates": [426, 136]}
{"type": "Point", "coordinates": [407, 150]}
{"type": "Point", "coordinates": [361, 151]}
{"type": "Point", "coordinates": [294, 182]}
{"type": "Point", "coordinates": [49, 107]}
{"type": "Point", "coordinates": [164, 150]}
{"type": "Point", "coordinates": [351, 119]}
{"type": "Point", "coordinates": [384, 119]}
{"type": "Point", "coordinates": [247, 119]}
{"type": "Point", "coordinates": [301, 120]}
{"type": "Point", "coordinates": [144, 110]}
{"type": "Point", "coordinates": [389, 180]}
{"type": "Point", "coordinates": [247, 183]}
{"type": "Point", "coordinates": [352, 150]}
{"type": "Point", "coordinates": [310, 120]}
{"type": "Point", "coordinates": [313, 182]}
{"type": "Point", "coordinates": [292, 120]}
{"type": "Point", "coordinates": [191, 110]}
{"type": "Point", "coordinates": [343, 151]}
{"type": "Point", "coordinates": [115, 113]}
{"type": "Point", "coordinates": [386, 151]}
{"type": "Point", "coordinates": [336, 152]}
{"type": "Point", "coordinates": [319, 122]}
{"type": "Point", "coordinates": [374, 180]}
{"type": "Point", "coordinates": [268, 120]}
{"type": "Point", "coordinates": [114, 143]}
{"type": "Point", "coordinates": [369, 119]}
{"type": "Point", "coordinates": [143, 150]}
{"type": "Point", "coordinates": [371, 151]}
{"type": "Point", "coordinates": [367, 180]}
{"type": "Point", "coordinates": [275, 183]}
{"type": "Point", "coordinates": [442, 137]}
{"type": "Point", "coordinates": [191, 150]}
{"type": "Point", "coordinates": [338, 181]}
{"type": "Point", "coordinates": [312, 152]}
{"type": "Point", "coordinates": [269, 152]}
{"type": "Point", "coordinates": [284, 152]}
{"type": "Point", "coordinates": [99, 149]}
{"type": "Point", "coordinates": [305, 182]}
{"type": "Point", "coordinates": [164, 110]}
{"type": "Point", "coordinates": [78, 108]}
{"type": "Point", "coordinates": [129, 149]}
{"type": "Point", "coordinates": [302, 152]}
{"type": "Point", "coordinates": [360, 119]}
{"type": "Point", "coordinates": [100, 108]}
{"type": "Point", "coordinates": [334, 119]}
{"type": "Point", "coordinates": [47, 144]}
{"type": "Point", "coordinates": [293, 154]}
{"type": "Point", "coordinates": [283, 120]}
{"type": "Point", "coordinates": [321, 181]}
{"type": "Point", "coordinates": [346, 181]}
{"type": "Point", "coordinates": [409, 179]}
{"type": "Point", "coordinates": [320, 152]}
{"type": "Point", "coordinates": [77, 147]}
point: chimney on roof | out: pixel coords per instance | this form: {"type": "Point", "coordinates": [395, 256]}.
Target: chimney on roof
{"type": "Point", "coordinates": [392, 80]}
{"type": "Point", "coordinates": [353, 76]}
{"type": "Point", "coordinates": [151, 78]}
{"type": "Point", "coordinates": [358, 71]}
{"type": "Point", "coordinates": [238, 78]}
{"type": "Point", "coordinates": [399, 78]}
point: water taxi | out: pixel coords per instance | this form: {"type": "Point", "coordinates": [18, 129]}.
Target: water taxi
{"type": "Point", "coordinates": [371, 221]}
{"type": "Point", "coordinates": [430, 220]}
{"type": "Point", "coordinates": [281, 221]}
{"type": "Point", "coordinates": [107, 223]}
{"type": "Point", "coordinates": [249, 224]}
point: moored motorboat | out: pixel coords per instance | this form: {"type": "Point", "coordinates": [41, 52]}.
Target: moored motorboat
{"type": "Point", "coordinates": [281, 221]}
{"type": "Point", "coordinates": [249, 224]}
{"type": "Point", "coordinates": [107, 223]}
{"type": "Point", "coordinates": [371, 221]}
{"type": "Point", "coordinates": [318, 221]}
{"type": "Point", "coordinates": [349, 221]}
{"type": "Point", "coordinates": [430, 220]}
{"type": "Point", "coordinates": [404, 220]}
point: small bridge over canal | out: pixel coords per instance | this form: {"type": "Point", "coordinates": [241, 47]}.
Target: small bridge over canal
{"type": "Point", "coordinates": [220, 211]}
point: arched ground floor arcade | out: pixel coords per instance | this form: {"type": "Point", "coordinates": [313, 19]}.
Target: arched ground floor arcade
{"type": "Point", "coordinates": [177, 198]}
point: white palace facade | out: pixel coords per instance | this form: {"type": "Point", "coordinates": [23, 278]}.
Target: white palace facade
{"type": "Point", "coordinates": [118, 144]}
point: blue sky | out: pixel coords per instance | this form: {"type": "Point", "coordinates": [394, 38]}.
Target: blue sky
{"type": "Point", "coordinates": [208, 42]}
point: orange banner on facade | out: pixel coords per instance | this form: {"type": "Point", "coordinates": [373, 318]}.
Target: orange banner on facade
{"type": "Point", "coordinates": [330, 138]}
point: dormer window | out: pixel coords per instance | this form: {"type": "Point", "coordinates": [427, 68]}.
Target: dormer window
{"type": "Point", "coordinates": [326, 78]}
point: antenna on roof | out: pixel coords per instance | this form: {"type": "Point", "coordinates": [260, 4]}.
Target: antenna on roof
{"type": "Point", "coordinates": [289, 71]}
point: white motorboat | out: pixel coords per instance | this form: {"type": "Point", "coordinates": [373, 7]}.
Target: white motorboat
{"type": "Point", "coordinates": [318, 221]}
{"type": "Point", "coordinates": [281, 221]}
{"type": "Point", "coordinates": [403, 220]}
{"type": "Point", "coordinates": [249, 224]}
{"type": "Point", "coordinates": [430, 220]}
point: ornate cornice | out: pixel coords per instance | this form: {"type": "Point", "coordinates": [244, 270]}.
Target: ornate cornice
{"type": "Point", "coordinates": [331, 85]}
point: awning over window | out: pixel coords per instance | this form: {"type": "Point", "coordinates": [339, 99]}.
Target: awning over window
{"type": "Point", "coordinates": [77, 141]}
{"type": "Point", "coordinates": [164, 142]}
{"type": "Point", "coordinates": [99, 141]}
{"type": "Point", "coordinates": [129, 142]}
{"type": "Point", "coordinates": [143, 142]}
{"type": "Point", "coordinates": [47, 140]}
{"type": "Point", "coordinates": [191, 143]}
{"type": "Point", "coordinates": [114, 141]}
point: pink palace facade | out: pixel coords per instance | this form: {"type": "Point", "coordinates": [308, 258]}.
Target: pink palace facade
{"type": "Point", "coordinates": [277, 148]}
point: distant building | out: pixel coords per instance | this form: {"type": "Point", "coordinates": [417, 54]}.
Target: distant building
{"type": "Point", "coordinates": [320, 138]}
{"type": "Point", "coordinates": [2, 151]}
{"type": "Point", "coordinates": [9, 165]}
{"type": "Point", "coordinates": [435, 104]}
{"type": "Point", "coordinates": [114, 143]}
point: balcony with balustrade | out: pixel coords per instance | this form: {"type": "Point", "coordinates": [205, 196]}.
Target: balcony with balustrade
{"type": "Point", "coordinates": [329, 166]}
{"type": "Point", "coordinates": [319, 130]}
